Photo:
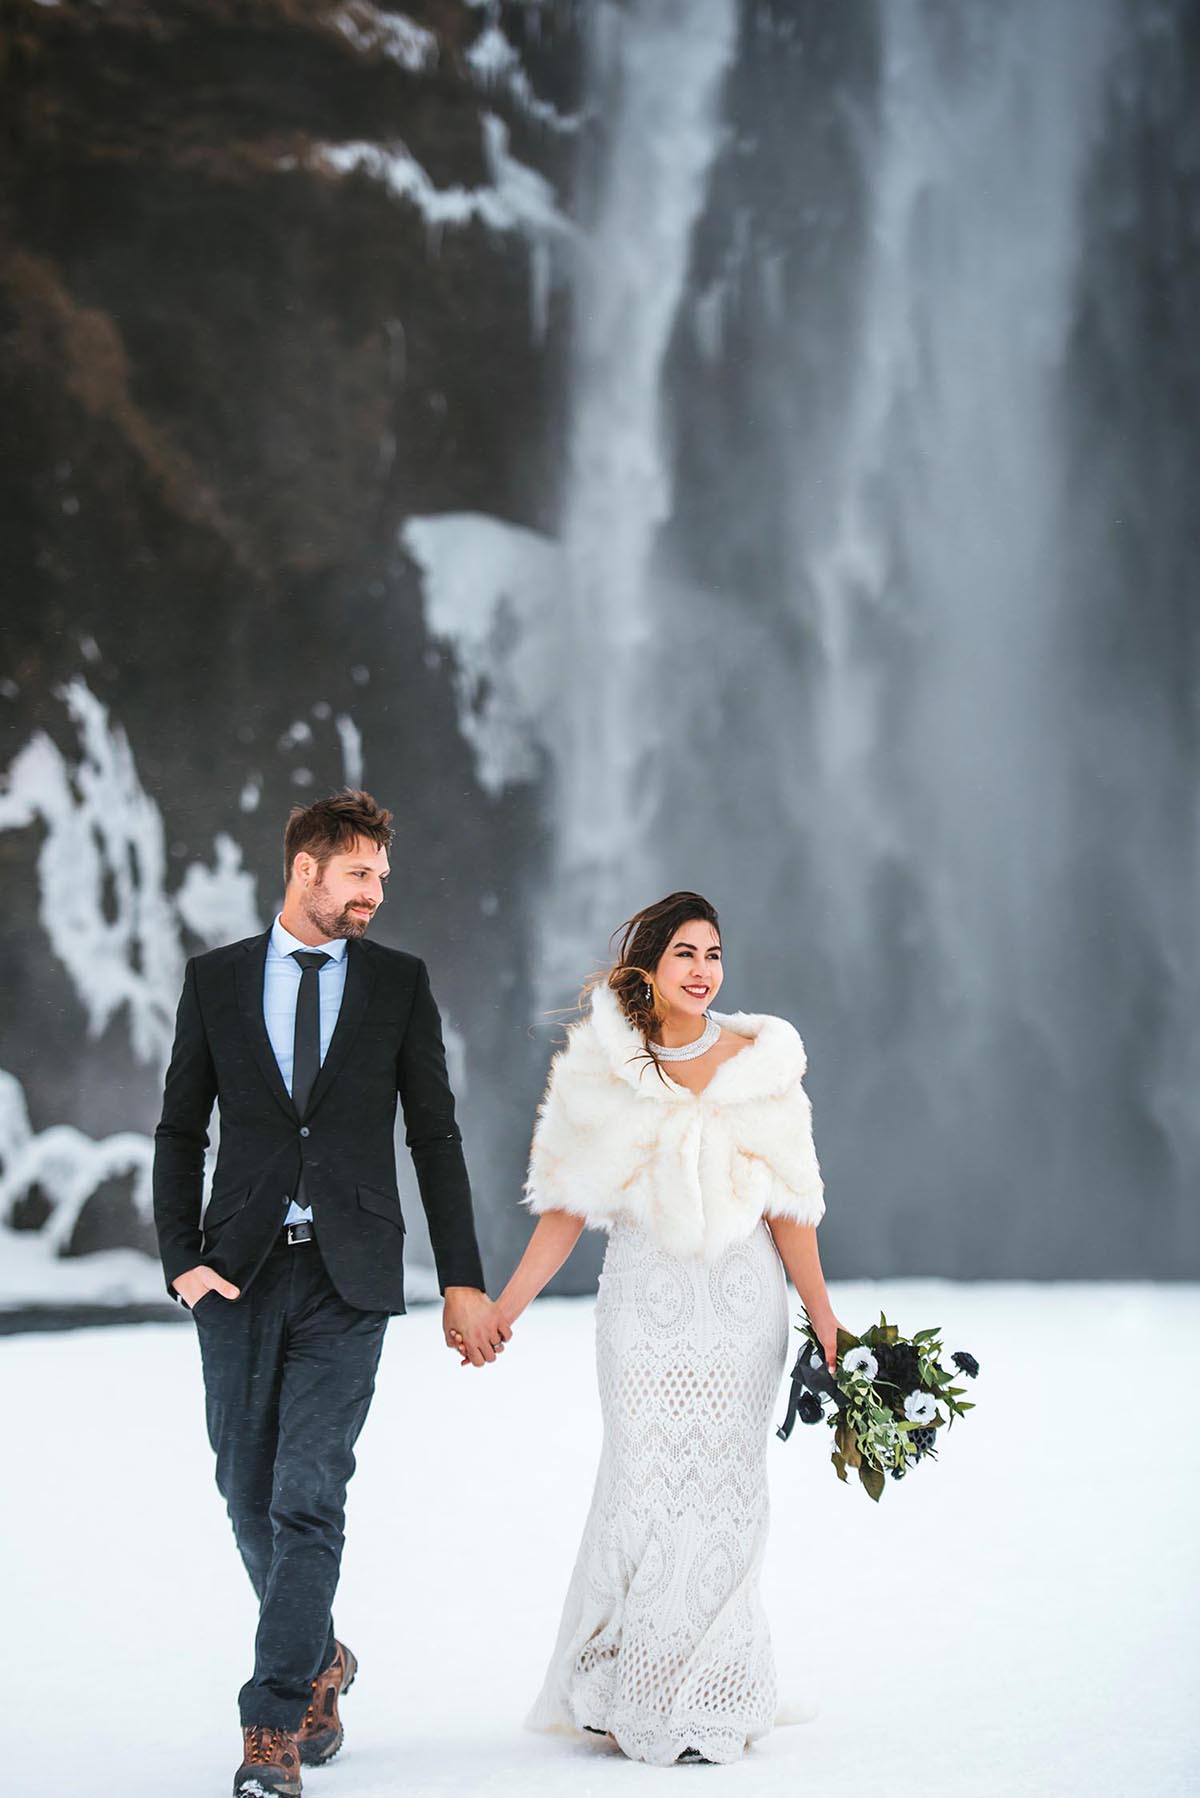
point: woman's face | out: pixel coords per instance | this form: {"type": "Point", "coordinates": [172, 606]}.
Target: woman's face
{"type": "Point", "coordinates": [690, 972]}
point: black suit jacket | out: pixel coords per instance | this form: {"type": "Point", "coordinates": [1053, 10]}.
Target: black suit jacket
{"type": "Point", "coordinates": [387, 1041]}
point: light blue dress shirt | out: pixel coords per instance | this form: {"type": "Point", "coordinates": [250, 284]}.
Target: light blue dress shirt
{"type": "Point", "coordinates": [281, 990]}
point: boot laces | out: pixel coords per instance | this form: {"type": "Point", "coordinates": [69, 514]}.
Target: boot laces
{"type": "Point", "coordinates": [310, 1715]}
{"type": "Point", "coordinates": [331, 1672]}
{"type": "Point", "coordinates": [262, 1743]}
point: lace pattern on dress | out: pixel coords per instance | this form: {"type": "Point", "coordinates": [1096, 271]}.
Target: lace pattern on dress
{"type": "Point", "coordinates": [663, 1639]}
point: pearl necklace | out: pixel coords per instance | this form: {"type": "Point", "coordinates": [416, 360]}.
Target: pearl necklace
{"type": "Point", "coordinates": [689, 1051]}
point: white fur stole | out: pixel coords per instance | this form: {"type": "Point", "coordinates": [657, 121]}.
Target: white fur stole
{"type": "Point", "coordinates": [696, 1171]}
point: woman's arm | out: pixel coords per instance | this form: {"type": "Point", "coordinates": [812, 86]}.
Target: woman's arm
{"type": "Point", "coordinates": [797, 1245]}
{"type": "Point", "coordinates": [556, 1235]}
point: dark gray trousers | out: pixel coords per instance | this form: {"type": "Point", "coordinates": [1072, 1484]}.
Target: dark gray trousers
{"type": "Point", "coordinates": [289, 1370]}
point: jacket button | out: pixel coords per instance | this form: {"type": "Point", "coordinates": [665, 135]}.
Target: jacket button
{"type": "Point", "coordinates": [304, 1129]}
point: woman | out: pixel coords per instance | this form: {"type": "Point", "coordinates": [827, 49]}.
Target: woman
{"type": "Point", "coordinates": [687, 1135]}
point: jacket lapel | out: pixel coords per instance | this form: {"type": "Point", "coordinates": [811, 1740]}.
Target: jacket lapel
{"type": "Point", "coordinates": [360, 978]}
{"type": "Point", "coordinates": [249, 974]}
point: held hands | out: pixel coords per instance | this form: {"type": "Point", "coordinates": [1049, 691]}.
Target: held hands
{"type": "Point", "coordinates": [476, 1327]}
{"type": "Point", "coordinates": [472, 1325]}
{"type": "Point", "coordinates": [193, 1285]}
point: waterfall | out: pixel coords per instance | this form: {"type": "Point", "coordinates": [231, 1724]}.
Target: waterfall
{"type": "Point", "coordinates": [938, 587]}
{"type": "Point", "coordinates": [844, 625]}
{"type": "Point", "coordinates": [910, 772]}
{"type": "Point", "coordinates": [940, 812]}
{"type": "Point", "coordinates": [656, 72]}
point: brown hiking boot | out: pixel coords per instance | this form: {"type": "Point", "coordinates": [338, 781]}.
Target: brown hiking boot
{"type": "Point", "coordinates": [321, 1733]}
{"type": "Point", "coordinates": [270, 1764]}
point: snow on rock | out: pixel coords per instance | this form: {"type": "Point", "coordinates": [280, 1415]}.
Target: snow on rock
{"type": "Point", "coordinates": [118, 932]}
{"type": "Point", "coordinates": [389, 34]}
{"type": "Point", "coordinates": [519, 199]}
{"type": "Point", "coordinates": [220, 904]}
{"type": "Point", "coordinates": [527, 197]}
{"type": "Point", "coordinates": [102, 877]}
{"type": "Point", "coordinates": [101, 873]}
{"type": "Point", "coordinates": [490, 595]}
{"type": "Point", "coordinates": [400, 171]}
{"type": "Point", "coordinates": [15, 1128]}
{"type": "Point", "coordinates": [494, 62]}
{"type": "Point", "coordinates": [66, 1168]}
{"type": "Point", "coordinates": [403, 175]}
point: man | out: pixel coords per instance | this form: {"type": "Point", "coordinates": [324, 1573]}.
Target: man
{"type": "Point", "coordinates": [305, 1036]}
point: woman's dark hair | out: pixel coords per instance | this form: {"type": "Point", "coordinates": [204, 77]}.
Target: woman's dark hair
{"type": "Point", "coordinates": [645, 939]}
{"type": "Point", "coordinates": [330, 826]}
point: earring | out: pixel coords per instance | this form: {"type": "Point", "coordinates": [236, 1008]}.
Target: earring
{"type": "Point", "coordinates": [649, 994]}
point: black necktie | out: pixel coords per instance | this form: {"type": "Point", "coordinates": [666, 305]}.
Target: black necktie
{"type": "Point", "coordinates": [306, 1045]}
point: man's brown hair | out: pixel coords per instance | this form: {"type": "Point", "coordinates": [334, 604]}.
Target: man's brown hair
{"type": "Point", "coordinates": [331, 826]}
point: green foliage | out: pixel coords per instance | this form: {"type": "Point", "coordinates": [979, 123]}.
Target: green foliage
{"type": "Point", "coordinates": [871, 1434]}
{"type": "Point", "coordinates": [872, 1480]}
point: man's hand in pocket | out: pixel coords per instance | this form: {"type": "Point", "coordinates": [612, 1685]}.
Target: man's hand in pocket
{"type": "Point", "coordinates": [193, 1285]}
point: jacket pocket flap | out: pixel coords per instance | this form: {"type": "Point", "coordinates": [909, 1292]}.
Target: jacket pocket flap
{"type": "Point", "coordinates": [381, 1204]}
{"type": "Point", "coordinates": [222, 1205]}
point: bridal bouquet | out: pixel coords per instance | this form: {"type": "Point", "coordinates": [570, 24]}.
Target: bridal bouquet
{"type": "Point", "coordinates": [889, 1400]}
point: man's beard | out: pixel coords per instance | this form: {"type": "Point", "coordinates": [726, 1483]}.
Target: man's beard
{"type": "Point", "coordinates": [332, 923]}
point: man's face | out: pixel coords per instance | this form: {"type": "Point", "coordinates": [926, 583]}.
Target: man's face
{"type": "Point", "coordinates": [341, 898]}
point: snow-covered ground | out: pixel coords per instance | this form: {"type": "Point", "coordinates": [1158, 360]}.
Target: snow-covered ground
{"type": "Point", "coordinates": [1018, 1620]}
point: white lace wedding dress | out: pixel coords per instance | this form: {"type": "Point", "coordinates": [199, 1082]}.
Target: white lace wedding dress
{"type": "Point", "coordinates": [663, 1640]}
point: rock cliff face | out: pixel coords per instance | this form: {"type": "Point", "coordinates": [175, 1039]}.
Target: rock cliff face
{"type": "Point", "coordinates": [234, 359]}
{"type": "Point", "coordinates": [737, 446]}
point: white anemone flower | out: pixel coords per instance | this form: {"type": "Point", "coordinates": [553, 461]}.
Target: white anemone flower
{"type": "Point", "coordinates": [860, 1360]}
{"type": "Point", "coordinates": [919, 1407]}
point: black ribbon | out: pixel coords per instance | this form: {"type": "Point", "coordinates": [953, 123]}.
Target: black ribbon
{"type": "Point", "coordinates": [810, 1374]}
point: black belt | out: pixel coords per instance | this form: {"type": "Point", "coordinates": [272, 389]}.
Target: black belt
{"type": "Point", "coordinates": [301, 1232]}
